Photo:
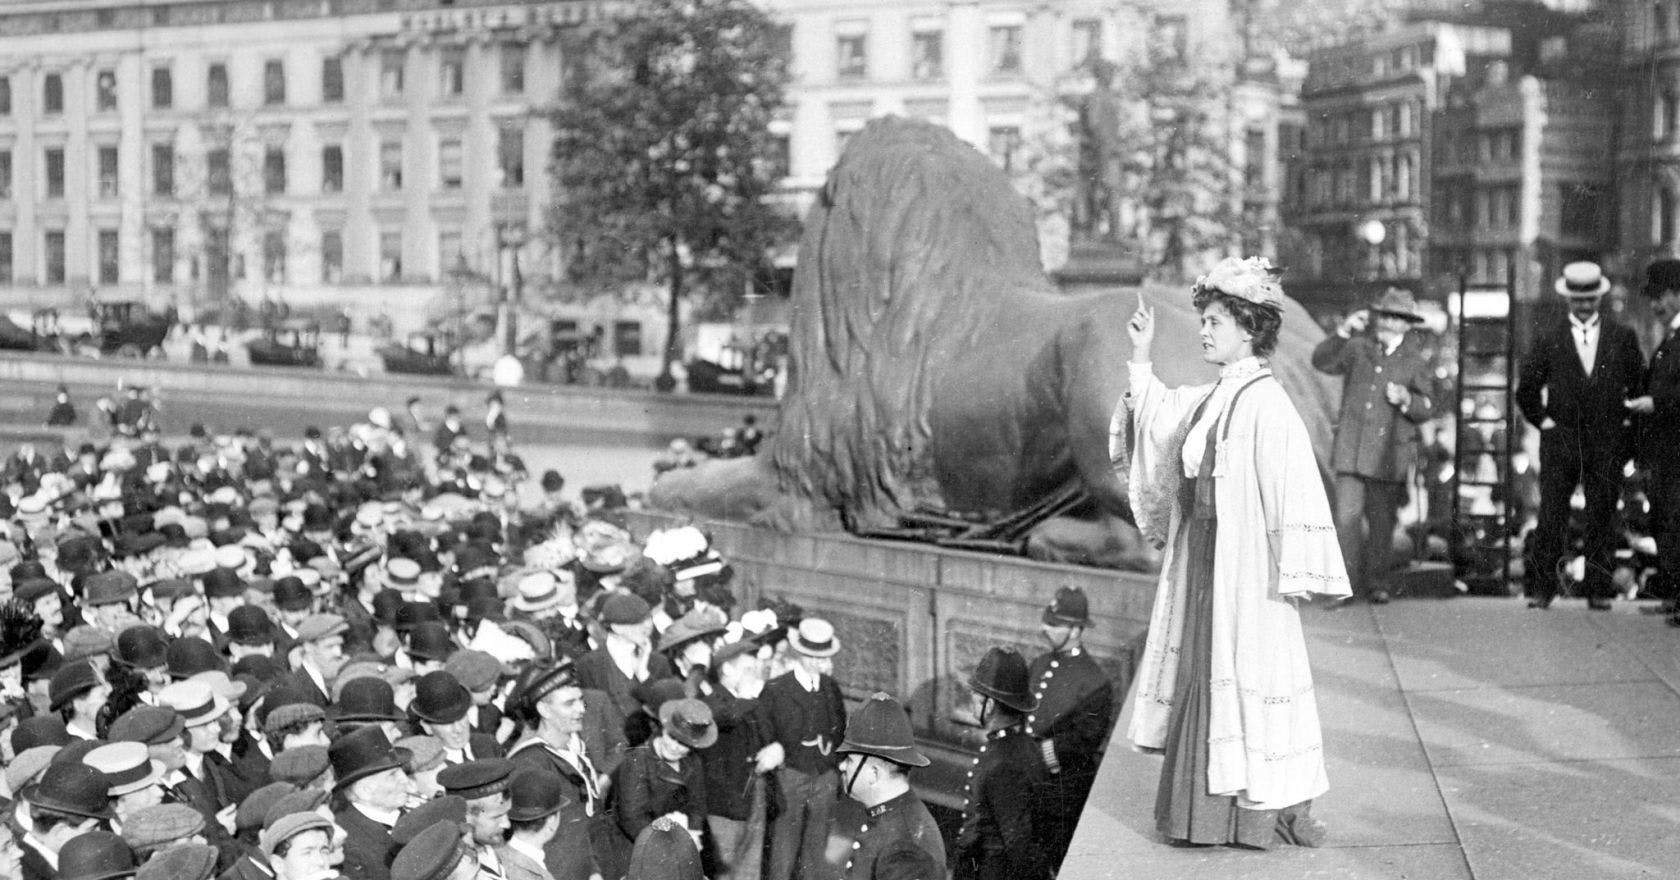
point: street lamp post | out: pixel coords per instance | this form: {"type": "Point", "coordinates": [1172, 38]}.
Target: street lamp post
{"type": "Point", "coordinates": [1373, 232]}
{"type": "Point", "coordinates": [510, 237]}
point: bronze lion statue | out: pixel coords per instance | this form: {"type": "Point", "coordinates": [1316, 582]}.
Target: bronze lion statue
{"type": "Point", "coordinates": [935, 365]}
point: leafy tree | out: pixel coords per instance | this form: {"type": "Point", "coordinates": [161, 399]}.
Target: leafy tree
{"type": "Point", "coordinates": [663, 153]}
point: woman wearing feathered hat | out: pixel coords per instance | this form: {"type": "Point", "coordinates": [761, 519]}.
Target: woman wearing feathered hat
{"type": "Point", "coordinates": [1223, 477]}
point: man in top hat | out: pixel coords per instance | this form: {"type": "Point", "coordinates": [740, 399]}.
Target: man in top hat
{"type": "Point", "coordinates": [484, 785]}
{"type": "Point", "coordinates": [70, 799]}
{"type": "Point", "coordinates": [441, 705]}
{"type": "Point", "coordinates": [663, 777]}
{"type": "Point", "coordinates": [554, 710]}
{"type": "Point", "coordinates": [1574, 386]}
{"type": "Point", "coordinates": [1658, 412]}
{"type": "Point", "coordinates": [1071, 724]}
{"type": "Point", "coordinates": [805, 717]}
{"type": "Point", "coordinates": [894, 837]}
{"type": "Point", "coordinates": [1387, 391]}
{"type": "Point", "coordinates": [373, 789]}
{"type": "Point", "coordinates": [997, 839]}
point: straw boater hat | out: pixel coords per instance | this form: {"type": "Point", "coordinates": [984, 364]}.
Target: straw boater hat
{"type": "Point", "coordinates": [814, 637]}
{"type": "Point", "coordinates": [1582, 279]}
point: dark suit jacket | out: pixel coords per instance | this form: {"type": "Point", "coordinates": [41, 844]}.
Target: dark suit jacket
{"type": "Point", "coordinates": [35, 865]}
{"type": "Point", "coordinates": [597, 671]}
{"type": "Point", "coordinates": [1660, 430]}
{"type": "Point", "coordinates": [1374, 438]}
{"type": "Point", "coordinates": [1590, 412]}
{"type": "Point", "coordinates": [997, 840]}
{"type": "Point", "coordinates": [367, 846]}
{"type": "Point", "coordinates": [246, 869]}
{"type": "Point", "coordinates": [809, 726]}
{"type": "Point", "coordinates": [729, 761]}
{"type": "Point", "coordinates": [647, 787]}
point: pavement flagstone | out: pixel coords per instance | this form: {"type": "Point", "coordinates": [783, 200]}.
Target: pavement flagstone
{"type": "Point", "coordinates": [1465, 738]}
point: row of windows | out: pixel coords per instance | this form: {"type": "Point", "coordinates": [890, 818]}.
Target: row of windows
{"type": "Point", "coordinates": [1004, 46]}
{"type": "Point", "coordinates": [452, 81]}
{"type": "Point", "coordinates": [274, 255]}
{"type": "Point", "coordinates": [1386, 179]}
{"type": "Point", "coordinates": [219, 172]}
{"type": "Point", "coordinates": [1491, 145]}
{"type": "Point", "coordinates": [1394, 119]}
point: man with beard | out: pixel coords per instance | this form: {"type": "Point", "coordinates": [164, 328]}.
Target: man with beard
{"type": "Point", "coordinates": [1070, 726]}
{"type": "Point", "coordinates": [318, 654]}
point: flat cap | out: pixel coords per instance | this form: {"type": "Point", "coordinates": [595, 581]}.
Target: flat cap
{"type": "Point", "coordinates": [253, 809]}
{"type": "Point", "coordinates": [106, 587]}
{"type": "Point", "coordinates": [28, 765]}
{"type": "Point", "coordinates": [475, 670]}
{"type": "Point", "coordinates": [476, 779]}
{"type": "Point", "coordinates": [189, 861]}
{"type": "Point", "coordinates": [301, 801]}
{"type": "Point", "coordinates": [157, 825]}
{"type": "Point", "coordinates": [431, 855]}
{"type": "Point", "coordinates": [299, 765]}
{"type": "Point", "coordinates": [171, 588]}
{"type": "Point", "coordinates": [447, 808]}
{"type": "Point", "coordinates": [289, 714]}
{"type": "Point", "coordinates": [86, 641]}
{"type": "Point", "coordinates": [152, 725]}
{"type": "Point", "coordinates": [425, 752]}
{"type": "Point", "coordinates": [621, 607]}
{"type": "Point", "coordinates": [291, 825]}
{"type": "Point", "coordinates": [30, 589]}
{"type": "Point", "coordinates": [320, 626]}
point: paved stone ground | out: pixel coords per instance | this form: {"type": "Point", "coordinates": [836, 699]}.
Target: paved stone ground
{"type": "Point", "coordinates": [1466, 738]}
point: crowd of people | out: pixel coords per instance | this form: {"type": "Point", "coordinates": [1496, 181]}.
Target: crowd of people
{"type": "Point", "coordinates": [375, 655]}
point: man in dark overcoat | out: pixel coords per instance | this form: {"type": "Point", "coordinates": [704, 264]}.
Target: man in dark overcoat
{"type": "Point", "coordinates": [1386, 394]}
{"type": "Point", "coordinates": [1658, 412]}
{"type": "Point", "coordinates": [548, 699]}
{"type": "Point", "coordinates": [1574, 386]}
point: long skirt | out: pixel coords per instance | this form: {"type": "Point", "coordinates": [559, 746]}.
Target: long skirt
{"type": "Point", "coordinates": [1184, 811]}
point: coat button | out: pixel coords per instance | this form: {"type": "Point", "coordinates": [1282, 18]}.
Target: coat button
{"type": "Point", "coordinates": [1030, 719]}
{"type": "Point", "coordinates": [1379, 369]}
{"type": "Point", "coordinates": [857, 844]}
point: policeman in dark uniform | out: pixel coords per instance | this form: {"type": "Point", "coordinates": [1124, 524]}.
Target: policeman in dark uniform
{"type": "Point", "coordinates": [997, 840]}
{"type": "Point", "coordinates": [894, 837]}
{"type": "Point", "coordinates": [1071, 724]}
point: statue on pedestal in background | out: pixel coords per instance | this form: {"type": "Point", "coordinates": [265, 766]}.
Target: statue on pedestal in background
{"type": "Point", "coordinates": [1096, 206]}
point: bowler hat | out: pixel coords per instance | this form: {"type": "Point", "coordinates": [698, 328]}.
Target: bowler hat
{"type": "Point", "coordinates": [440, 699]}
{"type": "Point", "coordinates": [74, 788]}
{"type": "Point", "coordinates": [1399, 302]}
{"type": "Point", "coordinates": [689, 722]}
{"type": "Point", "coordinates": [386, 603]}
{"type": "Point", "coordinates": [814, 637]}
{"type": "Point", "coordinates": [71, 681]}
{"type": "Point", "coordinates": [1003, 676]}
{"type": "Point", "coordinates": [365, 699]}
{"type": "Point", "coordinates": [411, 614]}
{"type": "Point", "coordinates": [431, 641]}
{"type": "Point", "coordinates": [476, 779]}
{"type": "Point", "coordinates": [1069, 608]}
{"type": "Point", "coordinates": [881, 728]}
{"type": "Point", "coordinates": [223, 583]}
{"type": "Point", "coordinates": [362, 753]}
{"type": "Point", "coordinates": [1662, 275]}
{"type": "Point", "coordinates": [291, 595]}
{"type": "Point", "coordinates": [1582, 279]}
{"type": "Point", "coordinates": [536, 794]}
{"type": "Point", "coordinates": [250, 625]}
{"type": "Point", "coordinates": [143, 647]}
{"type": "Point", "coordinates": [190, 655]}
{"type": "Point", "coordinates": [95, 855]}
{"type": "Point", "coordinates": [40, 662]}
{"type": "Point", "coordinates": [432, 854]}
{"type": "Point", "coordinates": [31, 588]}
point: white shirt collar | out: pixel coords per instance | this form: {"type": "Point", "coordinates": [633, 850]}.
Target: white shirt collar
{"type": "Point", "coordinates": [525, 849]}
{"type": "Point", "coordinates": [1674, 323]}
{"type": "Point", "coordinates": [806, 679]}
{"type": "Point", "coordinates": [1579, 324]}
{"type": "Point", "coordinates": [387, 818]}
{"type": "Point", "coordinates": [1390, 347]}
{"type": "Point", "coordinates": [1239, 369]}
{"type": "Point", "coordinates": [195, 765]}
{"type": "Point", "coordinates": [47, 855]}
{"type": "Point", "coordinates": [623, 654]}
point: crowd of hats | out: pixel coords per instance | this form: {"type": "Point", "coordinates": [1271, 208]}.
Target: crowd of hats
{"type": "Point", "coordinates": [322, 605]}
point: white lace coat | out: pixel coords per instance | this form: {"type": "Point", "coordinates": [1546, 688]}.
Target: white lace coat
{"type": "Point", "coordinates": [1275, 539]}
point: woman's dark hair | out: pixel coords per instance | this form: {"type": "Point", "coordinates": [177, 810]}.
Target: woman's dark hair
{"type": "Point", "coordinates": [1258, 321]}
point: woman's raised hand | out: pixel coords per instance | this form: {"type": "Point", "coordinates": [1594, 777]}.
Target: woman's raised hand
{"type": "Point", "coordinates": [1142, 330]}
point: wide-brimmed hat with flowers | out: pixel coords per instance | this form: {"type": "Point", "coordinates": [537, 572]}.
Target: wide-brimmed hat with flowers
{"type": "Point", "coordinates": [1251, 278]}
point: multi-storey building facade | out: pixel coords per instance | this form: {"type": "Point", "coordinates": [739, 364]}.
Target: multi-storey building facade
{"type": "Point", "coordinates": [1648, 156]}
{"type": "Point", "coordinates": [349, 151]}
